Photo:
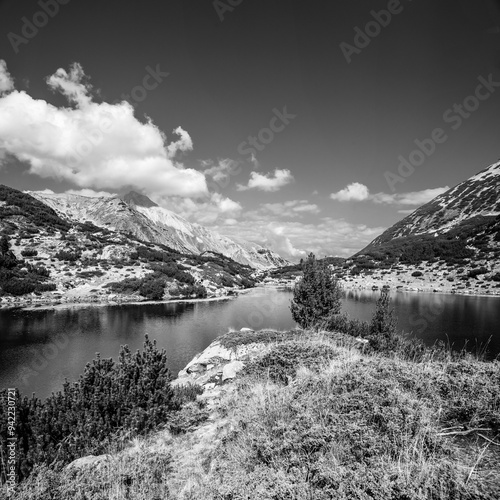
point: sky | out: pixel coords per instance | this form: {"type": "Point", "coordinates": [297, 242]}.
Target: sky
{"type": "Point", "coordinates": [302, 126]}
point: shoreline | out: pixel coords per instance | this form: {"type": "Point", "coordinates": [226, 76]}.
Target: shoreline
{"type": "Point", "coordinates": [30, 304]}
{"type": "Point", "coordinates": [57, 304]}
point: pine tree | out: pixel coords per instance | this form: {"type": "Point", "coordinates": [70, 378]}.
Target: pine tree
{"type": "Point", "coordinates": [383, 334]}
{"type": "Point", "coordinates": [317, 295]}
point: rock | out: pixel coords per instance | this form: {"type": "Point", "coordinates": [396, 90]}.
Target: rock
{"type": "Point", "coordinates": [210, 386]}
{"type": "Point", "coordinates": [231, 369]}
{"type": "Point", "coordinates": [247, 330]}
{"type": "Point", "coordinates": [89, 460]}
{"type": "Point", "coordinates": [197, 368]}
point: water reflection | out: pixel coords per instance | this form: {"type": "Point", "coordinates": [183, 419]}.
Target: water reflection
{"type": "Point", "coordinates": [40, 348]}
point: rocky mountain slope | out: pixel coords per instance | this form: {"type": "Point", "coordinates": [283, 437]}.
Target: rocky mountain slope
{"type": "Point", "coordinates": [476, 198]}
{"type": "Point", "coordinates": [451, 243]}
{"type": "Point", "coordinates": [138, 215]}
{"type": "Point", "coordinates": [45, 258]}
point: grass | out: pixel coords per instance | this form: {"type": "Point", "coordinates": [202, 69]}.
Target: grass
{"type": "Point", "coordinates": [314, 417]}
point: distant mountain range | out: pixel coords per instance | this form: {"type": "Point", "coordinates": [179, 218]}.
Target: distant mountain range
{"type": "Point", "coordinates": [136, 214]}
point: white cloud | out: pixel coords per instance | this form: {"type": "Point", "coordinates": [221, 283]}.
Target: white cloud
{"type": "Point", "coordinates": [268, 182]}
{"type": "Point", "coordinates": [90, 193]}
{"type": "Point", "coordinates": [359, 192]}
{"type": "Point", "coordinates": [93, 145]}
{"type": "Point", "coordinates": [204, 212]}
{"type": "Point", "coordinates": [353, 192]}
{"type": "Point", "coordinates": [183, 144]}
{"type": "Point", "coordinates": [294, 238]}
{"type": "Point", "coordinates": [6, 82]}
{"type": "Point", "coordinates": [71, 85]}
{"type": "Point", "coordinates": [222, 171]}
{"type": "Point", "coordinates": [292, 208]}
{"type": "Point", "coordinates": [415, 198]}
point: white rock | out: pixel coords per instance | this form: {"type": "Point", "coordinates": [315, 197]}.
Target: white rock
{"type": "Point", "coordinates": [88, 460]}
{"type": "Point", "coordinates": [231, 369]}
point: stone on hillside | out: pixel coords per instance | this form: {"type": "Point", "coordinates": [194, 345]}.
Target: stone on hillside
{"type": "Point", "coordinates": [89, 460]}
{"type": "Point", "coordinates": [231, 369]}
{"type": "Point", "coordinates": [197, 368]}
{"type": "Point", "coordinates": [247, 330]}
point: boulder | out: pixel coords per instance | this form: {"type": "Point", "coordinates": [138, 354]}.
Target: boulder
{"type": "Point", "coordinates": [247, 330]}
{"type": "Point", "coordinates": [87, 461]}
{"type": "Point", "coordinates": [231, 369]}
{"type": "Point", "coordinates": [197, 368]}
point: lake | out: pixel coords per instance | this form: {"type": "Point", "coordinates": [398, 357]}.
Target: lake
{"type": "Point", "coordinates": [42, 347]}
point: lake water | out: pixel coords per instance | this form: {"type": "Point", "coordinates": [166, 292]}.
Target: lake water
{"type": "Point", "coordinates": [40, 348]}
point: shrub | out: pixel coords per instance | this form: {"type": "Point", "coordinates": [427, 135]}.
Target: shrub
{"type": "Point", "coordinates": [474, 273]}
{"type": "Point", "coordinates": [383, 336]}
{"type": "Point", "coordinates": [29, 252]}
{"type": "Point", "coordinates": [133, 394]}
{"type": "Point", "coordinates": [152, 289]}
{"type": "Point", "coordinates": [344, 324]}
{"type": "Point", "coordinates": [67, 256]}
{"type": "Point", "coordinates": [281, 362]}
{"type": "Point", "coordinates": [317, 295]}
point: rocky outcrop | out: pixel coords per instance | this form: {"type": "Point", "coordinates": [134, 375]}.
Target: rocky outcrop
{"type": "Point", "coordinates": [218, 364]}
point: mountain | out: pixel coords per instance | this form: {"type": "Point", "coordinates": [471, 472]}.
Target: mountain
{"type": "Point", "coordinates": [477, 197]}
{"type": "Point", "coordinates": [451, 243]}
{"type": "Point", "coordinates": [136, 214]}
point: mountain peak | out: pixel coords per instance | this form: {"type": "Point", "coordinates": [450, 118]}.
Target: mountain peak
{"type": "Point", "coordinates": [135, 198]}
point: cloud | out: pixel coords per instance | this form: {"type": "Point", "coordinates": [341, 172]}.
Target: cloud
{"type": "Point", "coordinates": [71, 85]}
{"type": "Point", "coordinates": [406, 212]}
{"type": "Point", "coordinates": [204, 212]}
{"type": "Point", "coordinates": [353, 192]}
{"type": "Point", "coordinates": [268, 182]}
{"type": "Point", "coordinates": [359, 192]}
{"type": "Point", "coordinates": [295, 238]}
{"type": "Point", "coordinates": [6, 82]}
{"type": "Point", "coordinates": [90, 193]}
{"type": "Point", "coordinates": [222, 171]}
{"type": "Point", "coordinates": [415, 198]}
{"type": "Point", "coordinates": [292, 208]}
{"type": "Point", "coordinates": [93, 145]}
{"type": "Point", "coordinates": [183, 144]}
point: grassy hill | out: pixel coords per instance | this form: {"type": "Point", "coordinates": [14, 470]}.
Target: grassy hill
{"type": "Point", "coordinates": [310, 415]}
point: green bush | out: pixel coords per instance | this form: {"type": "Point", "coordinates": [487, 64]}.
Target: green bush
{"type": "Point", "coordinates": [317, 295]}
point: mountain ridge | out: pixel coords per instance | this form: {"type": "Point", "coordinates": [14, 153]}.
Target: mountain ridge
{"type": "Point", "coordinates": [149, 222]}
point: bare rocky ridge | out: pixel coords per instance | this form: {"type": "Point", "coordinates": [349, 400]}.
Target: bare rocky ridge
{"type": "Point", "coordinates": [144, 219]}
{"type": "Point", "coordinates": [478, 196]}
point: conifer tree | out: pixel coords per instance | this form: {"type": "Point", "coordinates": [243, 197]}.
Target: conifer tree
{"type": "Point", "coordinates": [317, 295]}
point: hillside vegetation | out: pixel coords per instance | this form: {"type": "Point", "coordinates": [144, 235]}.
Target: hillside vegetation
{"type": "Point", "coordinates": [45, 259]}
{"type": "Point", "coordinates": [343, 410]}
